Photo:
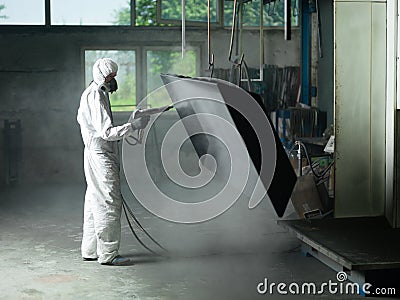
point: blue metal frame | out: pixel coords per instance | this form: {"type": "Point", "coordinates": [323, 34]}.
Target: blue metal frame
{"type": "Point", "coordinates": [283, 114]}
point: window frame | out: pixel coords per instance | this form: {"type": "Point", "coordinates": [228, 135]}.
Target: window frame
{"type": "Point", "coordinates": [114, 48]}
{"type": "Point", "coordinates": [173, 47]}
{"type": "Point", "coordinates": [257, 27]}
{"type": "Point", "coordinates": [220, 23]}
{"type": "Point", "coordinates": [141, 63]}
{"type": "Point", "coordinates": [176, 48]}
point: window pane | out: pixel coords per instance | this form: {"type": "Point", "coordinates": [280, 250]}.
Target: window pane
{"type": "Point", "coordinates": [273, 13]}
{"type": "Point", "coordinates": [90, 12]}
{"type": "Point", "coordinates": [196, 10]}
{"type": "Point", "coordinates": [22, 12]}
{"type": "Point", "coordinates": [167, 61]}
{"type": "Point", "coordinates": [125, 97]}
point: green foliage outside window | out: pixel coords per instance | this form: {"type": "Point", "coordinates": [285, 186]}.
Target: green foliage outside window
{"type": "Point", "coordinates": [195, 10]}
{"type": "Point", "coordinates": [167, 61]}
{"type": "Point", "coordinates": [146, 14]}
{"type": "Point", "coordinates": [123, 16]}
{"type": "Point", "coordinates": [2, 6]}
{"type": "Point", "coordinates": [170, 61]}
{"type": "Point", "coordinates": [158, 61]}
{"type": "Point", "coordinates": [273, 13]}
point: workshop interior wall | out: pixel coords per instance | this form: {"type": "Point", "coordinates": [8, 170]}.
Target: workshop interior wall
{"type": "Point", "coordinates": [43, 77]}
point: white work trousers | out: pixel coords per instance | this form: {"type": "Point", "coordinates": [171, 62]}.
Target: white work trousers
{"type": "Point", "coordinates": [103, 204]}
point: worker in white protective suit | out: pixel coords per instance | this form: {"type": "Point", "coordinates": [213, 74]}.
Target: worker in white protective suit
{"type": "Point", "coordinates": [103, 200]}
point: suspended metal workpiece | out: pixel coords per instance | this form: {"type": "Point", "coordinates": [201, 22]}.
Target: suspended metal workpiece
{"type": "Point", "coordinates": [202, 102]}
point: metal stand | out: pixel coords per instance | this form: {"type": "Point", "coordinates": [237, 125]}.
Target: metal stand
{"type": "Point", "coordinates": [12, 150]}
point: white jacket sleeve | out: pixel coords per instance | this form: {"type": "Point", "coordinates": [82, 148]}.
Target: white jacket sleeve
{"type": "Point", "coordinates": [101, 121]}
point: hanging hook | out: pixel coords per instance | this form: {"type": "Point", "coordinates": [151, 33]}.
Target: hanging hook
{"type": "Point", "coordinates": [183, 28]}
{"type": "Point", "coordinates": [210, 55]}
{"type": "Point", "coordinates": [274, 10]}
{"type": "Point", "coordinates": [295, 9]}
{"type": "Point", "coordinates": [233, 30]}
{"type": "Point", "coordinates": [269, 8]}
{"type": "Point", "coordinates": [211, 65]}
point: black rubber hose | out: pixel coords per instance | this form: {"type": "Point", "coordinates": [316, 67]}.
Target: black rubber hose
{"type": "Point", "coordinates": [134, 233]}
{"type": "Point", "coordinates": [140, 226]}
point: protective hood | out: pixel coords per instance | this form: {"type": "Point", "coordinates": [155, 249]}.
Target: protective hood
{"type": "Point", "coordinates": [102, 68]}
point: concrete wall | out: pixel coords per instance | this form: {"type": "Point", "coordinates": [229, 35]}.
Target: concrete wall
{"type": "Point", "coordinates": [41, 70]}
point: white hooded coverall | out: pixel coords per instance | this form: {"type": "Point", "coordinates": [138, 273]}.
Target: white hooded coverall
{"type": "Point", "coordinates": [103, 202]}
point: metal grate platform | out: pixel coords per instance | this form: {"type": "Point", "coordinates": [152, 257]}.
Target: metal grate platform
{"type": "Point", "coordinates": [367, 249]}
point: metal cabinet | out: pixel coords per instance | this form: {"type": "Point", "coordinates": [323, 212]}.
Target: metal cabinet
{"type": "Point", "coordinates": [360, 107]}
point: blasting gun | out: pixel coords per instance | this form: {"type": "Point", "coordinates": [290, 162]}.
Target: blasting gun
{"type": "Point", "coordinates": [150, 111]}
{"type": "Point", "coordinates": [139, 113]}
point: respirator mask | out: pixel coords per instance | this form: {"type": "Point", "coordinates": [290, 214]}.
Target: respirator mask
{"type": "Point", "coordinates": [110, 86]}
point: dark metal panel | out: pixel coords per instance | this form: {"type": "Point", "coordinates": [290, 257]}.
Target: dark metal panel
{"type": "Point", "coordinates": [280, 186]}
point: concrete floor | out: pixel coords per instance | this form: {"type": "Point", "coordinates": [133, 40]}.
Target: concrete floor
{"type": "Point", "coordinates": [224, 258]}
